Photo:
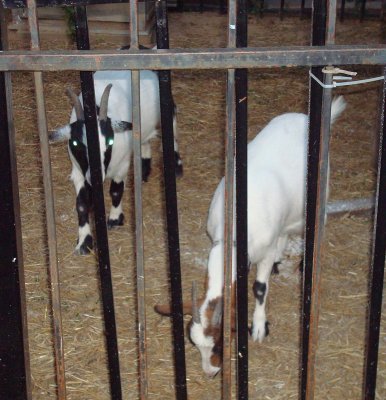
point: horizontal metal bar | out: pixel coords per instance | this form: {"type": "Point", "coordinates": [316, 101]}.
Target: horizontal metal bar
{"type": "Point", "coordinates": [56, 3]}
{"type": "Point", "coordinates": [223, 58]}
{"type": "Point", "coordinates": [354, 205]}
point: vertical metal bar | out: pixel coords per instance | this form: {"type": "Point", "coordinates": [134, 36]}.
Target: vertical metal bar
{"type": "Point", "coordinates": [363, 10]}
{"type": "Point", "coordinates": [241, 78]}
{"type": "Point", "coordinates": [135, 92]}
{"type": "Point", "coordinates": [302, 6]}
{"type": "Point", "coordinates": [261, 8]}
{"type": "Point", "coordinates": [281, 10]}
{"type": "Point", "coordinates": [180, 5]}
{"type": "Point", "coordinates": [377, 267]}
{"type": "Point", "coordinates": [50, 210]}
{"type": "Point", "coordinates": [331, 22]}
{"type": "Point", "coordinates": [167, 109]}
{"type": "Point", "coordinates": [15, 378]}
{"type": "Point", "coordinates": [342, 9]}
{"type": "Point", "coordinates": [318, 235]}
{"type": "Point", "coordinates": [229, 208]}
{"type": "Point", "coordinates": [317, 169]}
{"type": "Point", "coordinates": [223, 6]}
{"type": "Point", "coordinates": [88, 93]}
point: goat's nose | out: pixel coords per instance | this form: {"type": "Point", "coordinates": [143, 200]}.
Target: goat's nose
{"type": "Point", "coordinates": [213, 373]}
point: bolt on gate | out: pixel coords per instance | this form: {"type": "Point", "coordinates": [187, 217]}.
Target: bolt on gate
{"type": "Point", "coordinates": [237, 58]}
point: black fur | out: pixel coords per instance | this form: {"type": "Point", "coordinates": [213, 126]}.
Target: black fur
{"type": "Point", "coordinates": [116, 192]}
{"type": "Point", "coordinates": [111, 223]}
{"type": "Point", "coordinates": [83, 204]}
{"type": "Point", "coordinates": [77, 148]}
{"type": "Point", "coordinates": [259, 290]}
{"type": "Point", "coordinates": [146, 169]}
{"type": "Point", "coordinates": [301, 265]}
{"type": "Point", "coordinates": [108, 133]}
{"type": "Point", "coordinates": [86, 246]}
{"type": "Point", "coordinates": [266, 328]}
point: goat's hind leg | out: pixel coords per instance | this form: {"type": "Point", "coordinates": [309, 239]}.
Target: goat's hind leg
{"type": "Point", "coordinates": [260, 291]}
{"type": "Point", "coordinates": [116, 216]}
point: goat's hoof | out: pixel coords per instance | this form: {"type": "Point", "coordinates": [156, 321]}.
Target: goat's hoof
{"type": "Point", "coordinates": [266, 328]}
{"type": "Point", "coordinates": [275, 268]}
{"type": "Point", "coordinates": [178, 166]}
{"type": "Point", "coordinates": [111, 223]}
{"type": "Point", "coordinates": [85, 247]}
{"type": "Point", "coordinates": [179, 170]}
{"type": "Point", "coordinates": [258, 334]}
{"type": "Point", "coordinates": [146, 169]}
{"type": "Point", "coordinates": [301, 265]}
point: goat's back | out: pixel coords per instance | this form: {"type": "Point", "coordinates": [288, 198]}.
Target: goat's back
{"type": "Point", "coordinates": [276, 177]}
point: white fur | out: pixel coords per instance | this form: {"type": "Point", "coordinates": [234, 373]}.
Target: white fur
{"type": "Point", "coordinates": [276, 197]}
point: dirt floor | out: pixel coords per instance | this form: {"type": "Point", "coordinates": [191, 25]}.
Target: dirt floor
{"type": "Point", "coordinates": [200, 96]}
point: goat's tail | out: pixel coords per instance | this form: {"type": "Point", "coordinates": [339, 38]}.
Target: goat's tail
{"type": "Point", "coordinates": [337, 107]}
{"type": "Point", "coordinates": [60, 134]}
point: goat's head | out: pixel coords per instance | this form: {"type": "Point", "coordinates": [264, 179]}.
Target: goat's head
{"type": "Point", "coordinates": [107, 128]}
{"type": "Point", "coordinates": [205, 329]}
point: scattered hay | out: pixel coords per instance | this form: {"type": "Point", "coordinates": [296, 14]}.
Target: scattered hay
{"type": "Point", "coordinates": [200, 96]}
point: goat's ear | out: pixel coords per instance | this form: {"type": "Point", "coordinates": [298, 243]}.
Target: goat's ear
{"type": "Point", "coordinates": [60, 134]}
{"type": "Point", "coordinates": [121, 126]}
{"type": "Point", "coordinates": [163, 309]}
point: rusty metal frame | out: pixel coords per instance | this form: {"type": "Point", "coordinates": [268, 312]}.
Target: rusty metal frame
{"type": "Point", "coordinates": [15, 376]}
{"type": "Point", "coordinates": [54, 277]}
{"type": "Point", "coordinates": [377, 268]}
{"type": "Point", "coordinates": [136, 119]}
{"type": "Point", "coordinates": [223, 58]}
{"type": "Point", "coordinates": [171, 208]}
{"type": "Point", "coordinates": [230, 169]}
{"type": "Point", "coordinates": [323, 32]}
{"type": "Point", "coordinates": [230, 58]}
{"type": "Point", "coordinates": [242, 262]}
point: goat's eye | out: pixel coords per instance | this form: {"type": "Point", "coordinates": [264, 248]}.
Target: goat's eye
{"type": "Point", "coordinates": [74, 143]}
{"type": "Point", "coordinates": [110, 142]}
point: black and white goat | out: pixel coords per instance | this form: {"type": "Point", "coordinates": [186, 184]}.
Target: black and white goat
{"type": "Point", "coordinates": [113, 98]}
{"type": "Point", "coordinates": [276, 193]}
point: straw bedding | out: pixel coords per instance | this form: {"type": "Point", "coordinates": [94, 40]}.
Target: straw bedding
{"type": "Point", "coordinates": [200, 96]}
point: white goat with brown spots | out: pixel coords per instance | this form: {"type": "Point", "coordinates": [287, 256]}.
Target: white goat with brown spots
{"type": "Point", "coordinates": [276, 193]}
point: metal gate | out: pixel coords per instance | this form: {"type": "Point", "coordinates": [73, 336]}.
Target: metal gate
{"type": "Point", "coordinates": [236, 58]}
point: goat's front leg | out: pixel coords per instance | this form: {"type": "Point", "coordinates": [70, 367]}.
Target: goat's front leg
{"type": "Point", "coordinates": [116, 216]}
{"type": "Point", "coordinates": [83, 207]}
{"type": "Point", "coordinates": [260, 291]}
